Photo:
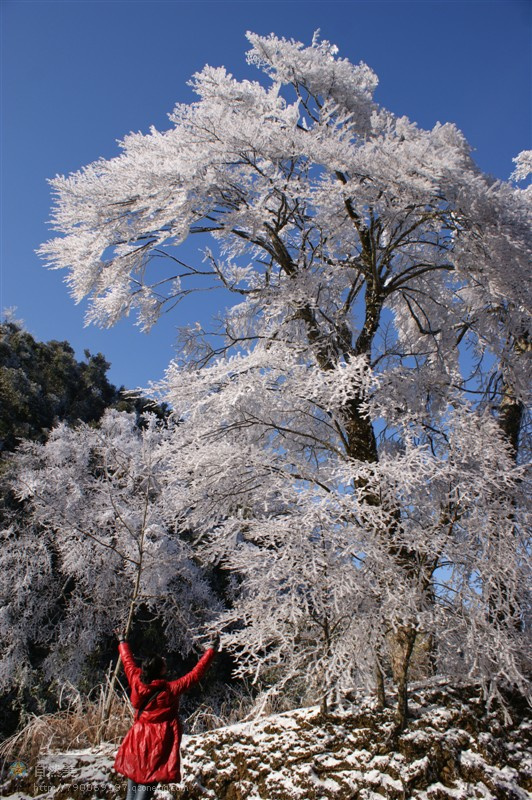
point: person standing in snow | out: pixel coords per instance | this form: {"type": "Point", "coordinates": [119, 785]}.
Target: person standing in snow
{"type": "Point", "coordinates": [149, 753]}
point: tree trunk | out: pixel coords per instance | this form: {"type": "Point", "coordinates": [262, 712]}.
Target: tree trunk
{"type": "Point", "coordinates": [379, 686]}
{"type": "Point", "coordinates": [432, 657]}
{"type": "Point", "coordinates": [132, 603]}
{"type": "Point", "coordinates": [510, 418]}
{"type": "Point", "coordinates": [110, 692]}
{"type": "Point", "coordinates": [511, 412]}
{"type": "Point", "coordinates": [403, 644]}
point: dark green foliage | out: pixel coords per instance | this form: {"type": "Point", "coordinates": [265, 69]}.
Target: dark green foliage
{"type": "Point", "coordinates": [41, 384]}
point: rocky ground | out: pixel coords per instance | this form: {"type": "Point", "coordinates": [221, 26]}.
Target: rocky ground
{"type": "Point", "coordinates": [454, 748]}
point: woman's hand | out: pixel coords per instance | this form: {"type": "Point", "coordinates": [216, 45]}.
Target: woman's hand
{"type": "Point", "coordinates": [120, 634]}
{"type": "Point", "coordinates": [215, 643]}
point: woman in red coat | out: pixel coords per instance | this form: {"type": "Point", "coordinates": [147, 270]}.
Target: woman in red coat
{"type": "Point", "coordinates": [149, 753]}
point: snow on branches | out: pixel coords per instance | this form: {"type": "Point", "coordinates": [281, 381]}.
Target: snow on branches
{"type": "Point", "coordinates": [95, 523]}
{"type": "Point", "coordinates": [350, 437]}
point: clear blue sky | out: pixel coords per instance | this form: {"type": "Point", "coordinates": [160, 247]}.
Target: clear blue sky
{"type": "Point", "coordinates": [77, 75]}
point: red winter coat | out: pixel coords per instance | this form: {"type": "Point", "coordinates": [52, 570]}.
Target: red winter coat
{"type": "Point", "coordinates": [150, 750]}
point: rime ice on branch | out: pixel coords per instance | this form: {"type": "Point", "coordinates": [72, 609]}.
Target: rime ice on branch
{"type": "Point", "coordinates": [352, 436]}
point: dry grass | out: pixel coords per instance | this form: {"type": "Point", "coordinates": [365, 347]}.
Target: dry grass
{"type": "Point", "coordinates": [78, 722]}
{"type": "Point", "coordinates": [236, 705]}
{"type": "Point", "coordinates": [77, 725]}
{"type": "Point", "coordinates": [227, 711]}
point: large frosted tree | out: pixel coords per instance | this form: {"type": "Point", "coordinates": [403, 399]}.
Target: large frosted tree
{"type": "Point", "coordinates": [379, 323]}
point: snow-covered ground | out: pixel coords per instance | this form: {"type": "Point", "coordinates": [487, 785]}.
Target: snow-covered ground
{"type": "Point", "coordinates": [453, 750]}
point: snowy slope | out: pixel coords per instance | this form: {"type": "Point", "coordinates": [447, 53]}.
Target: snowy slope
{"type": "Point", "coordinates": [453, 749]}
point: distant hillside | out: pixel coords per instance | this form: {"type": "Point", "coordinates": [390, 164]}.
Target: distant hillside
{"type": "Point", "coordinates": [454, 749]}
{"type": "Point", "coordinates": [42, 383]}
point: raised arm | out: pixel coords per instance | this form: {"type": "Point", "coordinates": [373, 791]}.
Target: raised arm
{"type": "Point", "coordinates": [130, 667]}
{"type": "Point", "coordinates": [195, 675]}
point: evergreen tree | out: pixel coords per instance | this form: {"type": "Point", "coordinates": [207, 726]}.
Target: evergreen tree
{"type": "Point", "coordinates": [42, 384]}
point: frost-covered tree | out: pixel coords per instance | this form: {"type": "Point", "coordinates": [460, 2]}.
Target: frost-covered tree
{"type": "Point", "coordinates": [381, 300]}
{"type": "Point", "coordinates": [91, 546]}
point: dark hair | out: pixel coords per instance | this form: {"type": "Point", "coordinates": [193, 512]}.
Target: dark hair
{"type": "Point", "coordinates": [152, 668]}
